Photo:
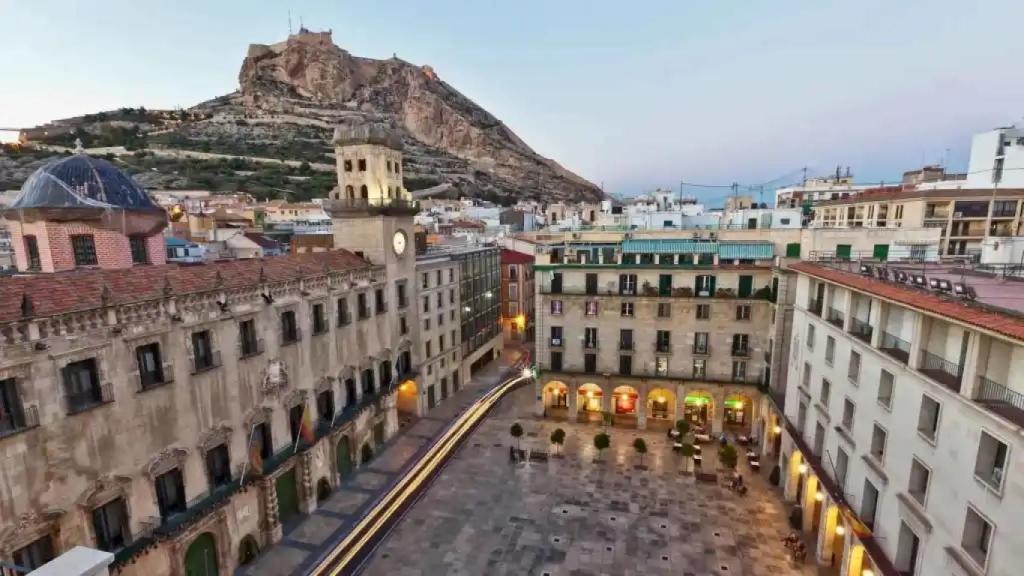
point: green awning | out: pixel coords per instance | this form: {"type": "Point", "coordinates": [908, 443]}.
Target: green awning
{"type": "Point", "coordinates": [746, 250]}
{"type": "Point", "coordinates": [669, 246]}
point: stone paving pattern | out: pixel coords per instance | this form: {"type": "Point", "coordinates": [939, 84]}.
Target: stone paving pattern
{"type": "Point", "coordinates": [580, 515]}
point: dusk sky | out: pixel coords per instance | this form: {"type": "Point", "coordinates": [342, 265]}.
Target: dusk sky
{"type": "Point", "coordinates": [634, 95]}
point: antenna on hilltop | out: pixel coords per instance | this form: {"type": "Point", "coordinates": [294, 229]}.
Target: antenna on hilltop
{"type": "Point", "coordinates": [289, 21]}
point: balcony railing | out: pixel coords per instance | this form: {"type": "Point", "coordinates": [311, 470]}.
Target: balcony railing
{"type": "Point", "coordinates": [95, 396]}
{"type": "Point", "coordinates": [663, 348]}
{"type": "Point", "coordinates": [590, 344]}
{"type": "Point", "coordinates": [1001, 400]}
{"type": "Point", "coordinates": [625, 345]}
{"type": "Point", "coordinates": [741, 352]}
{"type": "Point", "coordinates": [701, 350]}
{"type": "Point", "coordinates": [835, 317]}
{"type": "Point", "coordinates": [947, 373]}
{"type": "Point", "coordinates": [12, 424]}
{"type": "Point", "coordinates": [208, 364]}
{"type": "Point", "coordinates": [895, 347]}
{"type": "Point", "coordinates": [815, 306]}
{"type": "Point", "coordinates": [861, 330]}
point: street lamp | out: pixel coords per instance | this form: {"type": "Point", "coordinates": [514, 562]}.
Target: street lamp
{"type": "Point", "coordinates": [777, 429]}
{"type": "Point", "coordinates": [527, 373]}
{"type": "Point", "coordinates": [840, 530]}
{"type": "Point", "coordinates": [802, 468]}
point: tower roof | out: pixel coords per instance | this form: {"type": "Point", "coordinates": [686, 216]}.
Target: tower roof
{"type": "Point", "coordinates": [370, 133]}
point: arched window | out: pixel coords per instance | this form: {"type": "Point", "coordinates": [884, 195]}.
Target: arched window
{"type": "Point", "coordinates": [364, 192]}
{"type": "Point", "coordinates": [350, 192]}
{"type": "Point", "coordinates": [389, 191]}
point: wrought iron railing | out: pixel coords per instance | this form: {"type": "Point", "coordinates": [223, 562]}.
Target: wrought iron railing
{"type": "Point", "coordinates": [947, 373]}
{"type": "Point", "coordinates": [992, 391]}
{"type": "Point", "coordinates": [741, 351]}
{"type": "Point", "coordinates": [625, 345]}
{"type": "Point", "coordinates": [861, 329]}
{"type": "Point", "coordinates": [662, 348]}
{"type": "Point", "coordinates": [835, 317]}
{"type": "Point", "coordinates": [815, 306]}
{"type": "Point", "coordinates": [895, 347]}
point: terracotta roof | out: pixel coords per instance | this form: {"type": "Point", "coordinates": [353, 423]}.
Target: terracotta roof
{"type": "Point", "coordinates": [513, 257]}
{"type": "Point", "coordinates": [264, 242]}
{"type": "Point", "coordinates": [928, 303]}
{"type": "Point", "coordinates": [53, 294]}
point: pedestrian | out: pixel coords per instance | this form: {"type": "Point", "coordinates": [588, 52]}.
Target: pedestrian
{"type": "Point", "coordinates": [511, 454]}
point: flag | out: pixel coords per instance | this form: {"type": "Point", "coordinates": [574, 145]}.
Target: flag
{"type": "Point", "coordinates": [255, 458]}
{"type": "Point", "coordinates": [306, 427]}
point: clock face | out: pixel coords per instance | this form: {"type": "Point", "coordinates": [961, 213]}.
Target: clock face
{"type": "Point", "coordinates": [398, 242]}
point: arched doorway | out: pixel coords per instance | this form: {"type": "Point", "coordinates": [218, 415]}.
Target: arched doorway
{"type": "Point", "coordinates": [201, 556]}
{"type": "Point", "coordinates": [698, 407]}
{"type": "Point", "coordinates": [661, 408]}
{"type": "Point", "coordinates": [590, 400]}
{"type": "Point", "coordinates": [343, 457]}
{"type": "Point", "coordinates": [323, 490]}
{"type": "Point", "coordinates": [624, 405]}
{"type": "Point", "coordinates": [408, 398]}
{"type": "Point", "coordinates": [739, 411]}
{"type": "Point", "coordinates": [366, 453]}
{"type": "Point", "coordinates": [556, 400]}
{"type": "Point", "coordinates": [248, 550]}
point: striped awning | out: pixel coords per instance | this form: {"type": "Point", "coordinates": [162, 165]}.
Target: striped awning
{"type": "Point", "coordinates": [746, 250]}
{"type": "Point", "coordinates": [669, 246]}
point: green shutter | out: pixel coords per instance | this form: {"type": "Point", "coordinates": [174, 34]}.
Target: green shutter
{"type": "Point", "coordinates": [793, 250]}
{"type": "Point", "coordinates": [713, 286]}
{"type": "Point", "coordinates": [843, 251]}
{"type": "Point", "coordinates": [881, 252]}
{"type": "Point", "coordinates": [746, 286]}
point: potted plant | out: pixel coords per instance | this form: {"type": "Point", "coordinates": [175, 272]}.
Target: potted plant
{"type": "Point", "coordinates": [725, 293]}
{"type": "Point", "coordinates": [688, 451]}
{"type": "Point", "coordinates": [683, 292]}
{"type": "Point", "coordinates": [601, 441]}
{"type": "Point", "coordinates": [558, 438]}
{"type": "Point", "coordinates": [727, 457]}
{"type": "Point", "coordinates": [641, 448]}
{"type": "Point", "coordinates": [683, 427]}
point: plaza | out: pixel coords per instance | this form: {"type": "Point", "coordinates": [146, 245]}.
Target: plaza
{"type": "Point", "coordinates": [583, 513]}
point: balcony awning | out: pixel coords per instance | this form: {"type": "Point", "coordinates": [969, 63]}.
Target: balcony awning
{"type": "Point", "coordinates": [669, 246]}
{"type": "Point", "coordinates": [746, 250]}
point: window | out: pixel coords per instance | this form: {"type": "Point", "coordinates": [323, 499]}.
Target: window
{"type": "Point", "coordinates": [440, 343]}
{"type": "Point", "coordinates": [590, 363]}
{"type": "Point", "coordinates": [625, 339]}
{"type": "Point", "coordinates": [363, 306]}
{"type": "Point", "coordinates": [739, 370]}
{"type": "Point", "coordinates": [664, 310]}
{"type": "Point", "coordinates": [403, 326]}
{"type": "Point", "coordinates": [810, 336]}
{"type": "Point", "coordinates": [849, 408]}
{"type": "Point", "coordinates": [700, 343]}
{"type": "Point", "coordinates": [928, 417]}
{"type": "Point", "coordinates": [12, 416]}
{"type": "Point", "coordinates": [625, 365]}
{"type": "Point", "coordinates": [885, 383]}
{"type": "Point", "coordinates": [705, 285]}
{"type": "Point", "coordinates": [32, 252]}
{"type": "Point", "coordinates": [826, 392]}
{"type": "Point", "coordinates": [247, 341]}
{"type": "Point", "coordinates": [344, 318]}
{"type": "Point", "coordinates": [590, 337]}
{"type": "Point", "coordinates": [429, 348]}
{"type": "Point", "coordinates": [990, 465]}
{"type": "Point", "coordinates": [424, 280]}
{"type": "Point", "coordinates": [556, 307]}
{"type": "Point", "coordinates": [740, 345]}
{"type": "Point", "coordinates": [202, 351]}
{"type": "Point", "coordinates": [591, 283]}
{"type": "Point", "coordinates": [627, 284]}
{"type": "Point", "coordinates": [451, 296]}
{"type": "Point", "coordinates": [289, 328]}
{"type": "Point", "coordinates": [830, 350]}
{"type": "Point", "coordinates": [218, 465]}
{"type": "Point", "coordinates": [743, 312]}
{"type": "Point", "coordinates": [137, 244]}
{"type": "Point", "coordinates": [556, 361]}
{"type": "Point", "coordinates": [556, 335]}
{"type": "Point", "coordinates": [325, 405]}
{"type": "Point", "coordinates": [437, 277]}
{"type": "Point", "coordinates": [170, 493]}
{"type": "Point", "coordinates": [35, 554]}
{"type": "Point", "coordinates": [869, 504]}
{"type": "Point", "coordinates": [262, 439]}
{"type": "Point", "coordinates": [348, 165]}
{"type": "Point", "coordinates": [878, 440]}
{"type": "Point", "coordinates": [703, 311]}
{"type": "Point", "coordinates": [440, 318]}
{"type": "Point", "coordinates": [920, 476]}
{"type": "Point", "coordinates": [842, 463]}
{"type": "Point", "coordinates": [805, 379]}
{"type": "Point", "coordinates": [400, 293]}
{"type": "Point", "coordinates": [451, 274]}
{"type": "Point", "coordinates": [661, 366]}
{"type": "Point", "coordinates": [663, 341]}
{"type": "Point", "coordinates": [378, 298]}
{"type": "Point", "coordinates": [977, 536]}
{"type": "Point", "coordinates": [319, 319]}
{"type": "Point", "coordinates": [556, 282]}
{"type": "Point", "coordinates": [84, 248]}
{"type": "Point", "coordinates": [699, 368]}
{"type": "Point", "coordinates": [369, 384]}
{"type": "Point", "coordinates": [362, 164]}
{"type": "Point", "coordinates": [426, 303]}
{"type": "Point", "coordinates": [440, 299]}
{"type": "Point", "coordinates": [853, 371]}
{"type": "Point", "coordinates": [82, 385]}
{"type": "Point", "coordinates": [591, 308]}
{"type": "Point", "coordinates": [513, 293]}
{"type": "Point", "coordinates": [151, 370]}
{"type": "Point", "coordinates": [110, 524]}
{"type": "Point", "coordinates": [626, 309]}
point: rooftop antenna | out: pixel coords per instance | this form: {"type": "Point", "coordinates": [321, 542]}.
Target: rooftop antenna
{"type": "Point", "coordinates": [289, 21]}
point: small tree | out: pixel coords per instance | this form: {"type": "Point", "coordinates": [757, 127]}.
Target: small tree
{"type": "Point", "coordinates": [641, 448]}
{"type": "Point", "coordinates": [683, 427]}
{"type": "Point", "coordinates": [517, 432]}
{"type": "Point", "coordinates": [558, 438]}
{"type": "Point", "coordinates": [727, 456]}
{"type": "Point", "coordinates": [601, 441]}
{"type": "Point", "coordinates": [688, 451]}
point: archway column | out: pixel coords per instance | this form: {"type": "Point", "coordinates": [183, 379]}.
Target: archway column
{"type": "Point", "coordinates": [307, 503]}
{"type": "Point", "coordinates": [541, 403]}
{"type": "Point", "coordinates": [809, 501]}
{"type": "Point", "coordinates": [271, 524]}
{"type": "Point", "coordinates": [718, 412]}
{"type": "Point", "coordinates": [793, 477]}
{"type": "Point", "coordinates": [573, 390]}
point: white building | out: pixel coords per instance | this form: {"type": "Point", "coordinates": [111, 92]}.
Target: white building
{"type": "Point", "coordinates": [997, 157]}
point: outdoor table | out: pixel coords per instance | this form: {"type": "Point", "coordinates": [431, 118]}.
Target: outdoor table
{"type": "Point", "coordinates": [697, 459]}
{"type": "Point", "coordinates": [702, 437]}
{"type": "Point", "coordinates": [751, 455]}
{"type": "Point", "coordinates": [755, 464]}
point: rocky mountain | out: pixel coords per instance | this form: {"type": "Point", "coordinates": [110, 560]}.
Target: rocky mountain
{"type": "Point", "coordinates": [272, 137]}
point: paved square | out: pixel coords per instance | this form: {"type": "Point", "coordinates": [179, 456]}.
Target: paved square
{"type": "Point", "coordinates": [572, 515]}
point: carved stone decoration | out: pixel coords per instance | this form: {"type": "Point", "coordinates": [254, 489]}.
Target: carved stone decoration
{"type": "Point", "coordinates": [166, 460]}
{"type": "Point", "coordinates": [103, 490]}
{"type": "Point", "coordinates": [256, 416]}
{"type": "Point", "coordinates": [275, 376]}
{"type": "Point", "coordinates": [295, 397]}
{"type": "Point", "coordinates": [215, 437]}
{"type": "Point", "coordinates": [324, 383]}
{"type": "Point", "coordinates": [346, 373]}
{"type": "Point", "coordinates": [29, 527]}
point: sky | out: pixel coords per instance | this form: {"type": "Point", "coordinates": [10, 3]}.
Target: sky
{"type": "Point", "coordinates": [631, 95]}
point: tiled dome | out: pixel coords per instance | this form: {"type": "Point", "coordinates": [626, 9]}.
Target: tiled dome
{"type": "Point", "coordinates": [80, 181]}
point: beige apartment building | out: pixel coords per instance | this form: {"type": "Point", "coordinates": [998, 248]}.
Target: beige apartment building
{"type": "Point", "coordinates": [964, 217]}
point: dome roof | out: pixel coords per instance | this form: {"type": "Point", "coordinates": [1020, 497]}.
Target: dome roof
{"type": "Point", "coordinates": [370, 133]}
{"type": "Point", "coordinates": [80, 181]}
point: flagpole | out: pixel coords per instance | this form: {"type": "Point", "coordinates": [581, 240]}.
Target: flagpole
{"type": "Point", "coordinates": [248, 447]}
{"type": "Point", "coordinates": [298, 433]}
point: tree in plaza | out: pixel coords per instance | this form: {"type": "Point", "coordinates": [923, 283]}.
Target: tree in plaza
{"type": "Point", "coordinates": [558, 438]}
{"type": "Point", "coordinates": [641, 448]}
{"type": "Point", "coordinates": [688, 451]}
{"type": "Point", "coordinates": [727, 456]}
{"type": "Point", "coordinates": [683, 427]}
{"type": "Point", "coordinates": [517, 432]}
{"type": "Point", "coordinates": [602, 441]}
